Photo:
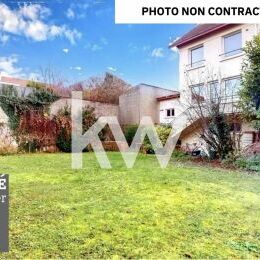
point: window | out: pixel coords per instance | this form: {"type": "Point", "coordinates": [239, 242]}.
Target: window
{"type": "Point", "coordinates": [215, 90]}
{"type": "Point", "coordinates": [233, 44]}
{"type": "Point", "coordinates": [170, 112]}
{"type": "Point", "coordinates": [197, 56]}
{"type": "Point", "coordinates": [231, 87]}
{"type": "Point", "coordinates": [199, 91]}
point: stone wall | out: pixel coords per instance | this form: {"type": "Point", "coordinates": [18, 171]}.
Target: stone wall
{"type": "Point", "coordinates": [101, 109]}
{"type": "Point", "coordinates": [6, 139]}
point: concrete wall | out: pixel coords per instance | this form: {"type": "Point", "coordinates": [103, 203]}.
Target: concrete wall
{"type": "Point", "coordinates": [129, 107]}
{"type": "Point", "coordinates": [101, 109]}
{"type": "Point", "coordinates": [139, 102]}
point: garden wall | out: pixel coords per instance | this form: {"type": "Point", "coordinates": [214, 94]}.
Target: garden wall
{"type": "Point", "coordinates": [101, 109]}
{"type": "Point", "coordinates": [6, 139]}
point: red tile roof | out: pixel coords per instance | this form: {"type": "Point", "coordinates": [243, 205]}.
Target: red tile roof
{"type": "Point", "coordinates": [199, 32]}
{"type": "Point", "coordinates": [172, 96]}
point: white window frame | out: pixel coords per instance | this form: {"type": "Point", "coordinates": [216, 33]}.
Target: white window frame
{"type": "Point", "coordinates": [212, 94]}
{"type": "Point", "coordinates": [224, 92]}
{"type": "Point", "coordinates": [197, 63]}
{"type": "Point", "coordinates": [235, 51]}
{"type": "Point", "coordinates": [169, 109]}
{"type": "Point", "coordinates": [200, 86]}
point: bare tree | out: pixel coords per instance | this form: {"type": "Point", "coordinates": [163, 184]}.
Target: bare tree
{"type": "Point", "coordinates": [211, 102]}
{"type": "Point", "coordinates": [105, 89]}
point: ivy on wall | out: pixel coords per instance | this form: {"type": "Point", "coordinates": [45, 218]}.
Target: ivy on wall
{"type": "Point", "coordinates": [14, 104]}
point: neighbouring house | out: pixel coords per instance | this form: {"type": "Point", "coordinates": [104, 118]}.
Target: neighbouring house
{"type": "Point", "coordinates": [169, 107]}
{"type": "Point", "coordinates": [215, 49]}
{"type": "Point", "coordinates": [141, 101]}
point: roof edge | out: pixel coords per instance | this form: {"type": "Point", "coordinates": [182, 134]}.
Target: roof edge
{"type": "Point", "coordinates": [174, 96]}
{"type": "Point", "coordinates": [181, 43]}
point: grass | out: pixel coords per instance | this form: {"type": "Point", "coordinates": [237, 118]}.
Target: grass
{"type": "Point", "coordinates": [145, 212]}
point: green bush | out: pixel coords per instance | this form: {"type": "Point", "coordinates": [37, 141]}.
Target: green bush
{"type": "Point", "coordinates": [163, 133]}
{"type": "Point", "coordinates": [63, 141]}
{"type": "Point", "coordinates": [180, 156]}
{"type": "Point", "coordinates": [251, 163]}
{"type": "Point", "coordinates": [229, 160]}
{"type": "Point", "coordinates": [130, 132]}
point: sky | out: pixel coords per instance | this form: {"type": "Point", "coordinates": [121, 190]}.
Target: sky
{"type": "Point", "coordinates": [79, 39]}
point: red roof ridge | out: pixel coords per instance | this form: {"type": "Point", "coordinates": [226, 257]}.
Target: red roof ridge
{"type": "Point", "coordinates": [172, 96]}
{"type": "Point", "coordinates": [199, 32]}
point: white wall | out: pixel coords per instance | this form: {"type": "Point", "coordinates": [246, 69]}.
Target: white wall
{"type": "Point", "coordinates": [215, 63]}
{"type": "Point", "coordinates": [168, 104]}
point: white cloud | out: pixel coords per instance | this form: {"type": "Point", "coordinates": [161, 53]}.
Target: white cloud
{"type": "Point", "coordinates": [71, 35]}
{"type": "Point", "coordinates": [104, 41]}
{"type": "Point", "coordinates": [77, 10]}
{"type": "Point", "coordinates": [34, 76]}
{"type": "Point", "coordinates": [78, 68]}
{"type": "Point", "coordinates": [8, 66]}
{"type": "Point", "coordinates": [28, 21]}
{"type": "Point", "coordinates": [4, 38]}
{"type": "Point", "coordinates": [146, 47]}
{"type": "Point", "coordinates": [175, 49]}
{"type": "Point", "coordinates": [157, 53]}
{"type": "Point", "coordinates": [65, 50]}
{"type": "Point", "coordinates": [132, 47]}
{"type": "Point", "coordinates": [35, 11]}
{"type": "Point", "coordinates": [112, 69]}
{"type": "Point", "coordinates": [70, 13]}
{"type": "Point", "coordinates": [96, 47]}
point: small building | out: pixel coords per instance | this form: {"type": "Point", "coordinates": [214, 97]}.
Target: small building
{"type": "Point", "coordinates": [141, 101]}
{"type": "Point", "coordinates": [169, 107]}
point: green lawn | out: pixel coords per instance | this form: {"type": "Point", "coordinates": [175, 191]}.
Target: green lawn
{"type": "Point", "coordinates": [145, 212]}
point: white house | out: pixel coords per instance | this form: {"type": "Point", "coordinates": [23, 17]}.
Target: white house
{"type": "Point", "coordinates": [170, 107]}
{"type": "Point", "coordinates": [211, 57]}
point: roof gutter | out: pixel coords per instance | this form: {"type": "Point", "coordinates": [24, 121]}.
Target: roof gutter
{"type": "Point", "coordinates": [180, 43]}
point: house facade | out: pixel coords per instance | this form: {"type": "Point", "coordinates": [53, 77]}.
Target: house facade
{"type": "Point", "coordinates": [211, 58]}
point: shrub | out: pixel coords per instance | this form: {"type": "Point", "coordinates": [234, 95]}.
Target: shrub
{"type": "Point", "coordinates": [229, 160]}
{"type": "Point", "coordinates": [36, 130]}
{"type": "Point", "coordinates": [63, 141]}
{"type": "Point", "coordinates": [163, 133]}
{"type": "Point", "coordinates": [7, 150]}
{"type": "Point", "coordinates": [251, 163]}
{"type": "Point", "coordinates": [30, 146]}
{"type": "Point", "coordinates": [63, 120]}
{"type": "Point", "coordinates": [130, 132]}
{"type": "Point", "coordinates": [180, 156]}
